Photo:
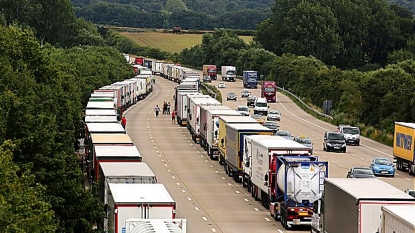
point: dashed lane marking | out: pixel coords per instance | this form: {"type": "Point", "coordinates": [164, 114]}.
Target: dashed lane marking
{"type": "Point", "coordinates": [204, 218]}
{"type": "Point", "coordinates": [196, 208]}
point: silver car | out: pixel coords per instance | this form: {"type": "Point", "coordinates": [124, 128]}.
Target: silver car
{"type": "Point", "coordinates": [245, 93]}
{"type": "Point", "coordinates": [273, 115]}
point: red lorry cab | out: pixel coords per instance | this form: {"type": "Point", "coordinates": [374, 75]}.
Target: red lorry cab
{"type": "Point", "coordinates": [269, 91]}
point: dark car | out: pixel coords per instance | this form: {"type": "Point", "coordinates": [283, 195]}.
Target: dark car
{"type": "Point", "coordinates": [410, 192]}
{"type": "Point", "coordinates": [302, 139]}
{"type": "Point", "coordinates": [271, 125]}
{"type": "Point", "coordinates": [285, 134]}
{"type": "Point", "coordinates": [250, 101]}
{"type": "Point", "coordinates": [334, 141]}
{"type": "Point", "coordinates": [360, 172]}
{"type": "Point", "coordinates": [231, 96]}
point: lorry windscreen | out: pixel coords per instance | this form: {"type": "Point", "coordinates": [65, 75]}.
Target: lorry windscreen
{"type": "Point", "coordinates": [212, 70]}
{"type": "Point", "coordinates": [230, 72]}
{"type": "Point", "coordinates": [269, 89]}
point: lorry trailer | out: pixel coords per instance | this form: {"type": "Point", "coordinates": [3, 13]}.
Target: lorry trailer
{"type": "Point", "coordinates": [136, 225]}
{"type": "Point", "coordinates": [182, 107]}
{"type": "Point", "coordinates": [403, 147]}
{"type": "Point", "coordinates": [223, 121]}
{"type": "Point", "coordinates": [354, 205]}
{"type": "Point", "coordinates": [397, 219]}
{"type": "Point", "coordinates": [193, 114]}
{"type": "Point", "coordinates": [143, 201]}
{"type": "Point", "coordinates": [209, 127]}
{"type": "Point", "coordinates": [250, 79]}
{"type": "Point", "coordinates": [234, 141]}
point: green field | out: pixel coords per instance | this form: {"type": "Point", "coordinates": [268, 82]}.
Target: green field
{"type": "Point", "coordinates": [169, 42]}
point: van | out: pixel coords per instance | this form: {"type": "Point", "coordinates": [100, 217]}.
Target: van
{"type": "Point", "coordinates": [351, 134]}
{"type": "Point", "coordinates": [261, 106]}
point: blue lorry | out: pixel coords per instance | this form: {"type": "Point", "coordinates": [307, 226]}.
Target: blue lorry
{"type": "Point", "coordinates": [250, 79]}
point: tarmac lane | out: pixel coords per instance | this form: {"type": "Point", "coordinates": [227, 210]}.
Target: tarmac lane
{"type": "Point", "coordinates": [205, 195]}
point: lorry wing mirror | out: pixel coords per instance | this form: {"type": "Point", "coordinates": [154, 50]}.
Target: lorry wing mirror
{"type": "Point", "coordinates": [266, 178]}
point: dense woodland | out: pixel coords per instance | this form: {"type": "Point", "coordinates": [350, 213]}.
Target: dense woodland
{"type": "Point", "coordinates": [189, 14]}
{"type": "Point", "coordinates": [358, 55]}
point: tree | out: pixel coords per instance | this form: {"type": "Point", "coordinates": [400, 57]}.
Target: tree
{"type": "Point", "coordinates": [23, 207]}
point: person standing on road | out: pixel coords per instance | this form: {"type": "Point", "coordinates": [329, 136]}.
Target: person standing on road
{"type": "Point", "coordinates": [124, 122]}
{"type": "Point", "coordinates": [168, 108]}
{"type": "Point", "coordinates": [157, 110]}
{"type": "Point", "coordinates": [173, 117]}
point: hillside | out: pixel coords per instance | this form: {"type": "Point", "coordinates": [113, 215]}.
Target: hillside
{"type": "Point", "coordinates": [189, 14]}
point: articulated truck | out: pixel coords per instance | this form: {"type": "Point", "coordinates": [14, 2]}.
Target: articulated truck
{"type": "Point", "coordinates": [403, 147]}
{"type": "Point", "coordinates": [234, 141]}
{"type": "Point", "coordinates": [209, 127]}
{"type": "Point", "coordinates": [193, 113]}
{"type": "Point", "coordinates": [228, 73]}
{"type": "Point", "coordinates": [354, 205]}
{"type": "Point", "coordinates": [223, 121]}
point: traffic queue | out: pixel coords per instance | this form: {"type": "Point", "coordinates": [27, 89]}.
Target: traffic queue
{"type": "Point", "coordinates": [279, 172]}
{"type": "Point", "coordinates": [133, 199]}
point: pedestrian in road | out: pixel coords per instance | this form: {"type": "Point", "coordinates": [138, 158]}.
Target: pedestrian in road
{"type": "Point", "coordinates": [124, 122]}
{"type": "Point", "coordinates": [168, 108]}
{"type": "Point", "coordinates": [173, 117]}
{"type": "Point", "coordinates": [164, 108]}
{"type": "Point", "coordinates": [157, 110]}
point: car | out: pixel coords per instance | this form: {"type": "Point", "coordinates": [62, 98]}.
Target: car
{"type": "Point", "coordinates": [231, 96]}
{"type": "Point", "coordinates": [245, 93]}
{"type": "Point", "coordinates": [250, 101]}
{"type": "Point", "coordinates": [410, 192]}
{"type": "Point", "coordinates": [284, 133]}
{"type": "Point", "coordinates": [259, 118]}
{"type": "Point", "coordinates": [207, 79]}
{"type": "Point", "coordinates": [382, 167]}
{"type": "Point", "coordinates": [273, 115]}
{"type": "Point", "coordinates": [272, 125]}
{"type": "Point", "coordinates": [360, 172]}
{"type": "Point", "coordinates": [244, 110]}
{"type": "Point", "coordinates": [334, 141]}
{"type": "Point", "coordinates": [351, 133]}
{"type": "Point", "coordinates": [221, 85]}
{"type": "Point", "coordinates": [302, 139]}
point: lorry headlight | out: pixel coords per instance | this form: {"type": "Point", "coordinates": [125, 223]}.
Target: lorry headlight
{"type": "Point", "coordinates": [344, 145]}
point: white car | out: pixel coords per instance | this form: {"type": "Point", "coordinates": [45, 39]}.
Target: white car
{"type": "Point", "coordinates": [221, 85]}
{"type": "Point", "coordinates": [244, 110]}
{"type": "Point", "coordinates": [273, 115]}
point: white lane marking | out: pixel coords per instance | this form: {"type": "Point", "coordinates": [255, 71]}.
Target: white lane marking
{"type": "Point", "coordinates": [332, 161]}
{"type": "Point", "coordinates": [213, 229]}
{"type": "Point", "coordinates": [362, 159]}
{"type": "Point", "coordinates": [229, 184]}
{"type": "Point", "coordinates": [246, 199]}
{"type": "Point", "coordinates": [216, 171]}
{"type": "Point", "coordinates": [155, 147]}
{"type": "Point", "coordinates": [196, 208]}
{"type": "Point", "coordinates": [280, 231]}
{"type": "Point", "coordinates": [189, 198]}
{"type": "Point", "coordinates": [223, 178]}
{"type": "Point", "coordinates": [204, 218]}
{"type": "Point", "coordinates": [173, 177]}
{"type": "Point", "coordinates": [340, 165]}
{"type": "Point", "coordinates": [256, 209]}
{"type": "Point", "coordinates": [159, 155]}
{"type": "Point", "coordinates": [157, 151]}
{"type": "Point", "coordinates": [407, 179]}
{"type": "Point", "coordinates": [267, 219]}
{"type": "Point", "coordinates": [165, 165]}
{"type": "Point", "coordinates": [199, 152]}
{"type": "Point", "coordinates": [237, 192]}
{"type": "Point", "coordinates": [169, 170]}
{"type": "Point", "coordinates": [183, 191]}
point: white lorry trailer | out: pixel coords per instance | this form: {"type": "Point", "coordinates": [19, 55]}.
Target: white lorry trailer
{"type": "Point", "coordinates": [181, 107]}
{"type": "Point", "coordinates": [209, 126]}
{"type": "Point", "coordinates": [354, 205]}
{"type": "Point", "coordinates": [143, 201]}
{"type": "Point", "coordinates": [397, 219]}
{"type": "Point", "coordinates": [135, 225]}
{"type": "Point", "coordinates": [228, 73]}
{"type": "Point", "coordinates": [193, 113]}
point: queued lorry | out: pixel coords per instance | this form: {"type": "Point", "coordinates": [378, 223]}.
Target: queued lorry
{"type": "Point", "coordinates": [403, 147]}
{"type": "Point", "coordinates": [194, 103]}
{"type": "Point", "coordinates": [180, 99]}
{"type": "Point", "coordinates": [234, 141]}
{"type": "Point", "coordinates": [259, 159]}
{"type": "Point", "coordinates": [223, 121]}
{"type": "Point", "coordinates": [228, 73]}
{"type": "Point", "coordinates": [210, 71]}
{"type": "Point", "coordinates": [250, 79]}
{"type": "Point", "coordinates": [359, 210]}
{"type": "Point", "coordinates": [269, 91]}
{"type": "Point", "coordinates": [142, 201]}
{"type": "Point", "coordinates": [397, 219]}
{"type": "Point", "coordinates": [209, 127]}
{"type": "Point", "coordinates": [297, 183]}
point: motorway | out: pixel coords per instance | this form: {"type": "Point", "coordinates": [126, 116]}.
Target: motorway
{"type": "Point", "coordinates": [209, 199]}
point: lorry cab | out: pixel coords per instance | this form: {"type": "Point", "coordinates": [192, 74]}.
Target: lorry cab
{"type": "Point", "coordinates": [261, 106]}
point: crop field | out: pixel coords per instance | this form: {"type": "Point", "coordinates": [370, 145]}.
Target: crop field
{"type": "Point", "coordinates": [169, 42]}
